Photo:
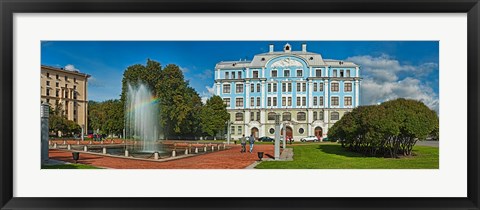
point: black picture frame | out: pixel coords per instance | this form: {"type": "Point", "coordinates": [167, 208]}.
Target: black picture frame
{"type": "Point", "coordinates": [10, 7]}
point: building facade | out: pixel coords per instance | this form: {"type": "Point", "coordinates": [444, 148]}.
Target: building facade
{"type": "Point", "coordinates": [67, 89]}
{"type": "Point", "coordinates": [308, 92]}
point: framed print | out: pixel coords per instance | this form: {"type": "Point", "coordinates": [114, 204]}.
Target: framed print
{"type": "Point", "coordinates": [239, 105]}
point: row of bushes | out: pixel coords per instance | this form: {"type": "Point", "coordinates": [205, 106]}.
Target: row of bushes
{"type": "Point", "coordinates": [389, 129]}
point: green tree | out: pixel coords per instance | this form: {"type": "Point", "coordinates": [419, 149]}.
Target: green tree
{"type": "Point", "coordinates": [214, 115]}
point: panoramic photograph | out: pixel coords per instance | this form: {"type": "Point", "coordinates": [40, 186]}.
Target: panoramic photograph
{"type": "Point", "coordinates": [280, 104]}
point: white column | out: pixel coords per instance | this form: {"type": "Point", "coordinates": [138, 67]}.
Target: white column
{"type": "Point", "coordinates": [247, 95]}
{"type": "Point", "coordinates": [326, 90]}
{"type": "Point", "coordinates": [218, 89]}
{"type": "Point", "coordinates": [310, 121]}
{"type": "Point", "coordinates": [218, 74]}
{"type": "Point", "coordinates": [357, 91]}
{"type": "Point", "coordinates": [263, 72]}
{"type": "Point", "coordinates": [310, 72]}
{"type": "Point", "coordinates": [247, 73]}
{"type": "Point", "coordinates": [310, 93]}
{"type": "Point", "coordinates": [326, 71]}
{"type": "Point", "coordinates": [357, 72]}
{"type": "Point", "coordinates": [263, 98]}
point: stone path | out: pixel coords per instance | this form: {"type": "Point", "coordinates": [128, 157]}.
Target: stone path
{"type": "Point", "coordinates": [224, 159]}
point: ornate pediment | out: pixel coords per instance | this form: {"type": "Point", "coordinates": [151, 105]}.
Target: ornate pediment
{"type": "Point", "coordinates": [287, 62]}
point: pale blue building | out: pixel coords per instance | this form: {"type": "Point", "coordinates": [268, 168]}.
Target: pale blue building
{"type": "Point", "coordinates": [309, 92]}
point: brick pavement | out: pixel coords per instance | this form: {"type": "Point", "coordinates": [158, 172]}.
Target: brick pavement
{"type": "Point", "coordinates": [224, 159]}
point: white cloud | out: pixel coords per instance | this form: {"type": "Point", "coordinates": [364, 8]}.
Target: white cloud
{"type": "Point", "coordinates": [184, 69]}
{"type": "Point", "coordinates": [94, 82]}
{"type": "Point", "coordinates": [382, 80]}
{"type": "Point", "coordinates": [70, 67]}
{"type": "Point", "coordinates": [206, 74]}
{"type": "Point", "coordinates": [205, 95]}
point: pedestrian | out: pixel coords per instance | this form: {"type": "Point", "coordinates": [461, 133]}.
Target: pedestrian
{"type": "Point", "coordinates": [251, 141]}
{"type": "Point", "coordinates": [243, 141]}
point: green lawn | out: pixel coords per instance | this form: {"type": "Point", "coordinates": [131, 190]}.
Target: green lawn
{"type": "Point", "coordinates": [333, 156]}
{"type": "Point", "coordinates": [69, 166]}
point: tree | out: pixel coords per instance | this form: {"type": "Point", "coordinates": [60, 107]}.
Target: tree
{"type": "Point", "coordinates": [214, 115]}
{"type": "Point", "coordinates": [106, 116]}
{"type": "Point", "coordinates": [57, 122]}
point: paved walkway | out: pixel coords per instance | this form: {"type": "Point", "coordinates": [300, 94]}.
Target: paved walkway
{"type": "Point", "coordinates": [224, 159]}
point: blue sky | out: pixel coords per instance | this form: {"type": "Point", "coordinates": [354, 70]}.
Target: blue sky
{"type": "Point", "coordinates": [390, 69]}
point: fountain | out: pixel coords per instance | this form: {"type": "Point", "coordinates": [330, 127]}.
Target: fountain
{"type": "Point", "coordinates": [141, 119]}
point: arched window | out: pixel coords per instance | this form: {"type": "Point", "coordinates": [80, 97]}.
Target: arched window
{"type": "Point", "coordinates": [315, 116]}
{"type": "Point", "coordinates": [287, 116]}
{"type": "Point", "coordinates": [271, 115]}
{"type": "Point", "coordinates": [335, 116]}
{"type": "Point", "coordinates": [301, 116]}
{"type": "Point", "coordinates": [320, 115]}
{"type": "Point", "coordinates": [239, 116]}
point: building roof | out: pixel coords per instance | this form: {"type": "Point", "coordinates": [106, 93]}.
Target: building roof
{"type": "Point", "coordinates": [65, 71]}
{"type": "Point", "coordinates": [260, 60]}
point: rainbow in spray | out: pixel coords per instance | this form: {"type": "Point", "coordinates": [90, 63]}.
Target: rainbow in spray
{"type": "Point", "coordinates": [141, 118]}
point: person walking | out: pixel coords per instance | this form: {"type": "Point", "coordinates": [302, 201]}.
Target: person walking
{"type": "Point", "coordinates": [251, 141]}
{"type": "Point", "coordinates": [243, 141]}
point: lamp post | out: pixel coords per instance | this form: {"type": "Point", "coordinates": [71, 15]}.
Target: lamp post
{"type": "Point", "coordinates": [277, 137]}
{"type": "Point", "coordinates": [229, 135]}
{"type": "Point", "coordinates": [45, 108]}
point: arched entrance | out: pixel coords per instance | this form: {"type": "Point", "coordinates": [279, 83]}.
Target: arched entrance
{"type": "Point", "coordinates": [289, 132]}
{"type": "Point", "coordinates": [254, 131]}
{"type": "Point", "coordinates": [318, 132]}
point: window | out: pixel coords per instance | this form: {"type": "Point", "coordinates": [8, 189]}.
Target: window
{"type": "Point", "coordinates": [318, 72]}
{"type": "Point", "coordinates": [258, 87]}
{"type": "Point", "coordinates": [258, 101]}
{"type": "Point", "coordinates": [57, 84]}
{"type": "Point", "coordinates": [289, 87]}
{"type": "Point", "coordinates": [347, 87]}
{"type": "Point", "coordinates": [272, 131]}
{"type": "Point", "coordinates": [334, 116]}
{"type": "Point", "coordinates": [226, 101]}
{"type": "Point", "coordinates": [269, 88]}
{"type": "Point", "coordinates": [347, 101]}
{"type": "Point", "coordinates": [238, 116]}
{"type": "Point", "coordinates": [304, 86]}
{"type": "Point", "coordinates": [298, 87]}
{"type": "Point", "coordinates": [239, 129]}
{"type": "Point", "coordinates": [315, 100]}
{"type": "Point", "coordinates": [48, 83]}
{"type": "Point", "coordinates": [335, 101]}
{"type": "Point", "coordinates": [271, 115]}
{"type": "Point", "coordinates": [75, 95]}
{"type": "Point", "coordinates": [274, 73]}
{"type": "Point", "coordinates": [284, 101]}
{"type": "Point", "coordinates": [334, 73]}
{"type": "Point", "coordinates": [239, 88]}
{"type": "Point", "coordinates": [239, 75]}
{"type": "Point", "coordinates": [301, 116]}
{"type": "Point", "coordinates": [74, 87]}
{"type": "Point", "coordinates": [304, 101]}
{"type": "Point", "coordinates": [252, 116]}
{"type": "Point", "coordinates": [255, 74]}
{"type": "Point", "coordinates": [66, 85]}
{"type": "Point", "coordinates": [298, 101]}
{"type": "Point", "coordinates": [269, 101]}
{"type": "Point", "coordinates": [48, 75]}
{"type": "Point", "coordinates": [334, 87]}
{"type": "Point", "coordinates": [239, 102]}
{"type": "Point", "coordinates": [48, 100]}
{"type": "Point", "coordinates": [289, 101]}
{"type": "Point", "coordinates": [48, 92]}
{"type": "Point", "coordinates": [284, 87]}
{"type": "Point", "coordinates": [57, 77]}
{"type": "Point", "coordinates": [274, 87]}
{"type": "Point", "coordinates": [299, 73]}
{"type": "Point", "coordinates": [233, 75]}
{"type": "Point", "coordinates": [75, 80]}
{"type": "Point", "coordinates": [274, 101]}
{"type": "Point", "coordinates": [301, 130]}
{"type": "Point", "coordinates": [320, 115]}
{"type": "Point", "coordinates": [252, 87]}
{"type": "Point", "coordinates": [320, 100]}
{"type": "Point", "coordinates": [226, 88]}
{"type": "Point", "coordinates": [347, 72]}
{"type": "Point", "coordinates": [315, 87]}
{"type": "Point", "coordinates": [227, 75]}
{"type": "Point", "coordinates": [286, 73]}
{"type": "Point", "coordinates": [341, 73]}
{"type": "Point", "coordinates": [314, 115]}
{"type": "Point", "coordinates": [65, 94]}
{"type": "Point", "coordinates": [232, 130]}
{"type": "Point", "coordinates": [258, 116]}
{"type": "Point", "coordinates": [66, 78]}
{"type": "Point", "coordinates": [321, 87]}
{"type": "Point", "coordinates": [286, 116]}
{"type": "Point", "coordinates": [57, 92]}
{"type": "Point", "coordinates": [252, 101]}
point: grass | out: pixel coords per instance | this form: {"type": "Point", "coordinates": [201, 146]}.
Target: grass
{"type": "Point", "coordinates": [333, 156]}
{"type": "Point", "coordinates": [69, 166]}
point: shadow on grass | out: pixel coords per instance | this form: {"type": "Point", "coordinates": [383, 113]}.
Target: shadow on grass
{"type": "Point", "coordinates": [338, 150]}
